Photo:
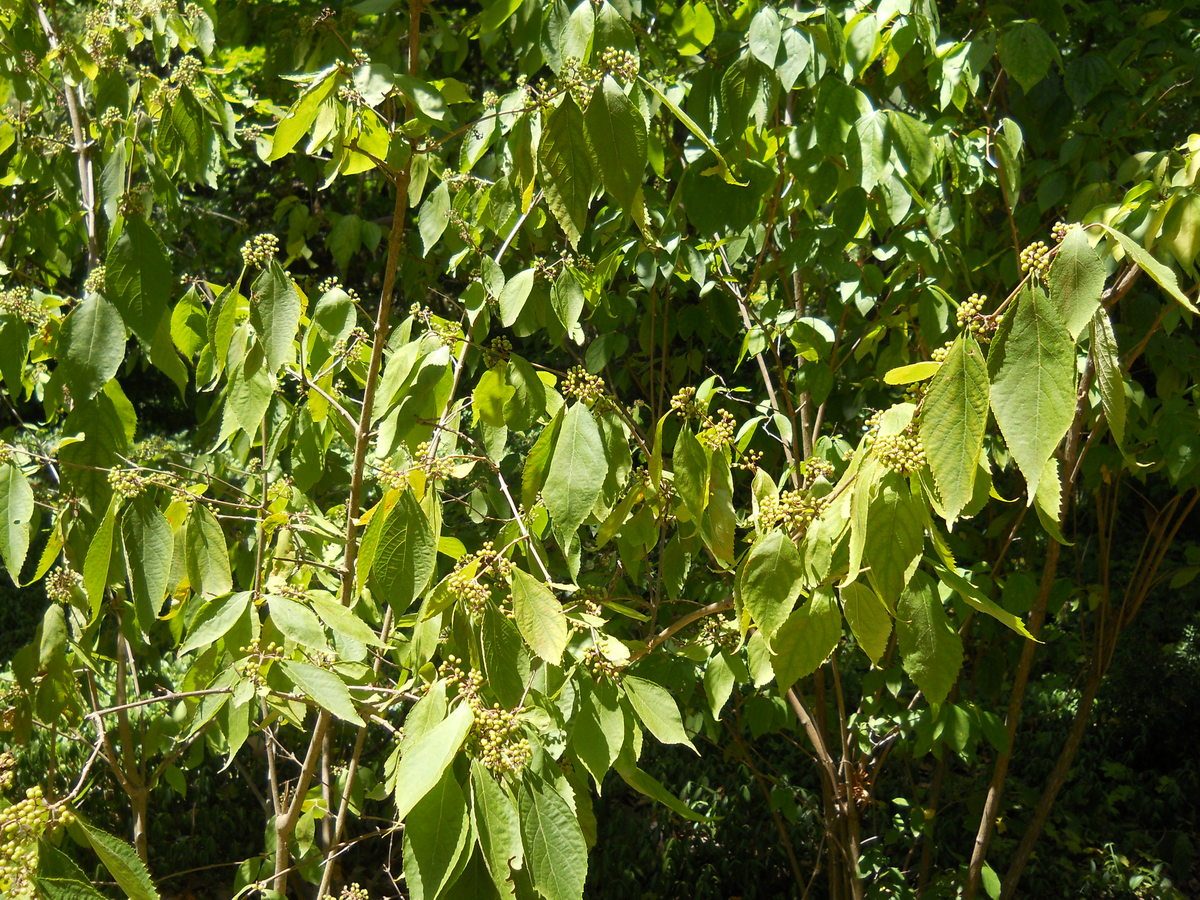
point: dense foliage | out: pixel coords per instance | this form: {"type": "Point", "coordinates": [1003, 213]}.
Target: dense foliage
{"type": "Point", "coordinates": [425, 420]}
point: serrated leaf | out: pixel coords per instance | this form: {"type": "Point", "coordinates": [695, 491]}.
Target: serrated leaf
{"type": "Point", "coordinates": [407, 552]}
{"type": "Point", "coordinates": [122, 862]}
{"type": "Point", "coordinates": [1162, 276]}
{"type": "Point", "coordinates": [1076, 280]}
{"type": "Point", "coordinates": [1032, 369]}
{"type": "Point", "coordinates": [325, 688]}
{"type": "Point", "coordinates": [149, 545]}
{"type": "Point", "coordinates": [297, 622]}
{"type": "Point", "coordinates": [1109, 378]}
{"type": "Point", "coordinates": [555, 852]}
{"type": "Point", "coordinates": [214, 621]}
{"type": "Point", "coordinates": [576, 473]}
{"type": "Point", "coordinates": [977, 599]}
{"type": "Point", "coordinates": [275, 314]}
{"type": "Point", "coordinates": [912, 373]}
{"type": "Point", "coordinates": [137, 278]}
{"type": "Point", "coordinates": [207, 554]}
{"type": "Point", "coordinates": [1027, 53]}
{"type": "Point", "coordinates": [567, 171]}
{"type": "Point", "coordinates": [807, 638]}
{"type": "Point", "coordinates": [423, 762]}
{"type": "Point", "coordinates": [435, 837]}
{"type": "Point", "coordinates": [539, 616]}
{"type": "Point", "coordinates": [497, 827]}
{"type": "Point", "coordinates": [769, 581]}
{"type": "Point", "coordinates": [302, 115]}
{"type": "Point", "coordinates": [91, 346]}
{"type": "Point", "coordinates": [895, 534]}
{"type": "Point", "coordinates": [656, 709]}
{"type": "Point", "coordinates": [869, 620]}
{"type": "Point", "coordinates": [616, 133]}
{"type": "Point", "coordinates": [953, 419]}
{"type": "Point", "coordinates": [16, 506]}
{"type": "Point", "coordinates": [929, 646]}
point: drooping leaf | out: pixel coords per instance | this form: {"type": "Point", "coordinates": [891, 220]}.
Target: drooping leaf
{"type": "Point", "coordinates": [895, 534]}
{"type": "Point", "coordinates": [567, 172]}
{"type": "Point", "coordinates": [297, 622]}
{"type": "Point", "coordinates": [1076, 280]}
{"type": "Point", "coordinates": [16, 506]}
{"type": "Point", "coordinates": [275, 314]}
{"type": "Point", "coordinates": [645, 783]}
{"type": "Point", "coordinates": [324, 688]}
{"type": "Point", "coordinates": [953, 419]}
{"type": "Point", "coordinates": [207, 555]}
{"type": "Point", "coordinates": [91, 346]}
{"type": "Point", "coordinates": [769, 581]}
{"type": "Point", "coordinates": [539, 616]}
{"type": "Point", "coordinates": [930, 648]}
{"type": "Point", "coordinates": [497, 826]}
{"type": "Point", "coordinates": [657, 710]}
{"type": "Point", "coordinates": [422, 763]}
{"type": "Point", "coordinates": [977, 599]}
{"type": "Point", "coordinates": [869, 620]}
{"type": "Point", "coordinates": [149, 545]}
{"type": "Point", "coordinates": [1162, 275]}
{"type": "Point", "coordinates": [1027, 53]}
{"type": "Point", "coordinates": [555, 852]}
{"type": "Point", "coordinates": [300, 118]}
{"type": "Point", "coordinates": [616, 133]}
{"type": "Point", "coordinates": [137, 278]}
{"type": "Point", "coordinates": [1109, 378]}
{"type": "Point", "coordinates": [435, 838]}
{"type": "Point", "coordinates": [576, 473]}
{"type": "Point", "coordinates": [215, 620]}
{"type": "Point", "coordinates": [122, 862]}
{"type": "Point", "coordinates": [807, 638]}
{"type": "Point", "coordinates": [1032, 369]}
{"type": "Point", "coordinates": [406, 554]}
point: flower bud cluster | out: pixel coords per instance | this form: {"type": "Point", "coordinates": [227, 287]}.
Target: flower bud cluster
{"type": "Point", "coordinates": [62, 584]}
{"type": "Point", "coordinates": [259, 250]}
{"type": "Point", "coordinates": [354, 891]}
{"type": "Point", "coordinates": [685, 405]}
{"type": "Point", "coordinates": [583, 386]}
{"type": "Point", "coordinates": [500, 349]}
{"type": "Point", "coordinates": [1059, 231]}
{"type": "Point", "coordinates": [717, 433]}
{"type": "Point", "coordinates": [19, 302]}
{"type": "Point", "coordinates": [94, 283]}
{"type": "Point", "coordinates": [940, 354]}
{"type": "Point", "coordinates": [21, 826]}
{"type": "Point", "coordinates": [126, 483]}
{"type": "Point", "coordinates": [813, 468]}
{"type": "Point", "coordinates": [600, 665]}
{"type": "Point", "coordinates": [1036, 259]}
{"type": "Point", "coordinates": [719, 632]}
{"type": "Point", "coordinates": [438, 468]}
{"type": "Point", "coordinates": [6, 452]}
{"type": "Point", "coordinates": [490, 99]}
{"type": "Point", "coordinates": [621, 64]}
{"type": "Point", "coordinates": [391, 477]}
{"type": "Point", "coordinates": [902, 453]}
{"type": "Point", "coordinates": [473, 584]}
{"type": "Point", "coordinates": [793, 511]}
{"type": "Point", "coordinates": [496, 737]}
{"type": "Point", "coordinates": [250, 666]}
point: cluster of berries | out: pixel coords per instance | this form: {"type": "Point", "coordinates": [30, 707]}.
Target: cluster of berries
{"type": "Point", "coordinates": [499, 350]}
{"type": "Point", "coordinates": [793, 511]}
{"type": "Point", "coordinates": [476, 574]}
{"type": "Point", "coordinates": [21, 827]}
{"type": "Point", "coordinates": [902, 453]}
{"type": "Point", "coordinates": [496, 738]}
{"type": "Point", "coordinates": [583, 386]}
{"type": "Point", "coordinates": [259, 250]}
{"type": "Point", "coordinates": [970, 316]}
{"type": "Point", "coordinates": [1036, 259]}
{"type": "Point", "coordinates": [62, 584]}
{"type": "Point", "coordinates": [600, 665]}
{"type": "Point", "coordinates": [19, 302]}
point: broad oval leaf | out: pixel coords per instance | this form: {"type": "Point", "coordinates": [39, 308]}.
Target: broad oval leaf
{"type": "Point", "coordinates": [576, 473]}
{"type": "Point", "coordinates": [325, 688]}
{"type": "Point", "coordinates": [16, 505]}
{"type": "Point", "coordinates": [1076, 280]}
{"type": "Point", "coordinates": [422, 764]}
{"type": "Point", "coordinates": [91, 346]}
{"type": "Point", "coordinates": [616, 134]}
{"type": "Point", "coordinates": [656, 709]}
{"type": "Point", "coordinates": [555, 852]}
{"type": "Point", "coordinates": [406, 554]}
{"type": "Point", "coordinates": [930, 648]}
{"type": "Point", "coordinates": [539, 616]}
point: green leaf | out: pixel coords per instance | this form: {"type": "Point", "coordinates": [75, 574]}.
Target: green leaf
{"type": "Point", "coordinates": [149, 547]}
{"type": "Point", "coordinates": [869, 620]}
{"type": "Point", "coordinates": [505, 659]}
{"type": "Point", "coordinates": [497, 826]}
{"type": "Point", "coordinates": [303, 114]}
{"type": "Point", "coordinates": [435, 838]}
{"type": "Point", "coordinates": [137, 278]}
{"type": "Point", "coordinates": [764, 35]}
{"type": "Point", "coordinates": [694, 27]}
{"type": "Point", "coordinates": [433, 217]}
{"type": "Point", "coordinates": [343, 621]}
{"type": "Point", "coordinates": [122, 862]}
{"type": "Point", "coordinates": [1109, 378]}
{"type": "Point", "coordinates": [325, 688]}
{"type": "Point", "coordinates": [406, 554]}
{"type": "Point", "coordinates": [1076, 280]}
{"type": "Point", "coordinates": [91, 346]}
{"type": "Point", "coordinates": [207, 555]}
{"type": "Point", "coordinates": [427, 100]}
{"type": "Point", "coordinates": [567, 174]}
{"type": "Point", "coordinates": [1032, 369]}
{"type": "Point", "coordinates": [930, 647]}
{"type": "Point", "coordinates": [297, 622]}
{"type": "Point", "coordinates": [690, 469]}
{"type": "Point", "coordinates": [1027, 53]}
{"type": "Point", "coordinates": [496, 14]}
{"type": "Point", "coordinates": [977, 599]}
{"type": "Point", "coordinates": [513, 296]}
{"type": "Point", "coordinates": [214, 621]}
{"type": "Point", "coordinates": [911, 374]}
{"type": "Point", "coordinates": [645, 783]}
{"type": "Point", "coordinates": [894, 537]}
{"type": "Point", "coordinates": [656, 708]}
{"type": "Point", "coordinates": [491, 394]}
{"type": "Point", "coordinates": [566, 297]}
{"type": "Point", "coordinates": [807, 638]}
{"type": "Point", "coordinates": [275, 314]}
{"type": "Point", "coordinates": [691, 125]}
{"type": "Point", "coordinates": [953, 419]}
{"type": "Point", "coordinates": [616, 133]}
{"type": "Point", "coordinates": [576, 473]}
{"type": "Point", "coordinates": [539, 616]}
{"type": "Point", "coordinates": [555, 852]}
{"type": "Point", "coordinates": [16, 505]}
{"type": "Point", "coordinates": [597, 729]}
{"type": "Point", "coordinates": [769, 581]}
{"type": "Point", "coordinates": [422, 763]}
{"type": "Point", "coordinates": [1048, 502]}
{"type": "Point", "coordinates": [1162, 276]}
